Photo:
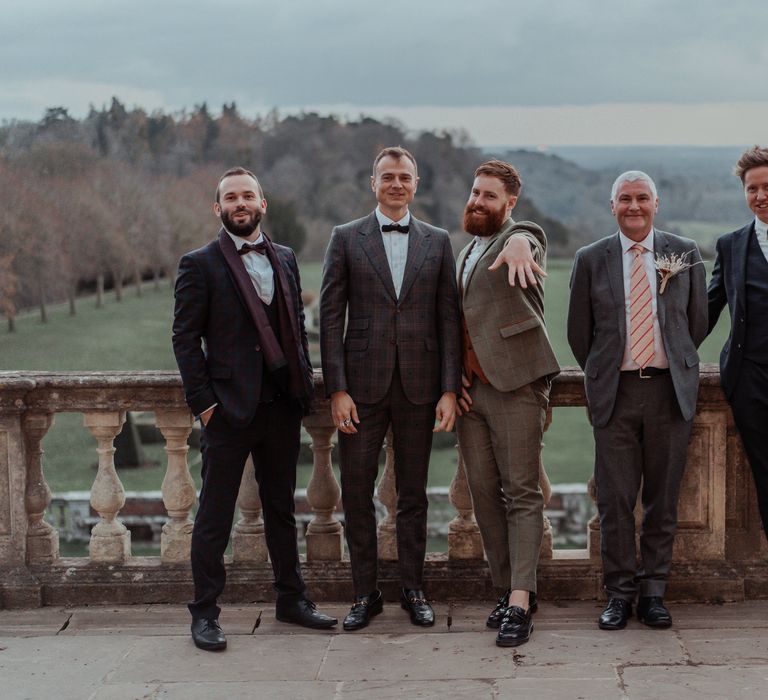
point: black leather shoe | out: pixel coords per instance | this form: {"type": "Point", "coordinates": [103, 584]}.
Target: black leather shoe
{"type": "Point", "coordinates": [303, 612]}
{"type": "Point", "coordinates": [416, 604]}
{"type": "Point", "coordinates": [515, 628]}
{"type": "Point", "coordinates": [206, 634]}
{"type": "Point", "coordinates": [651, 611]}
{"type": "Point", "coordinates": [494, 619]}
{"type": "Point", "coordinates": [615, 615]}
{"type": "Point", "coordinates": [363, 609]}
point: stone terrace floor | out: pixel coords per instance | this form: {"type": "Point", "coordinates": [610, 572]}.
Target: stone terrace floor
{"type": "Point", "coordinates": [121, 653]}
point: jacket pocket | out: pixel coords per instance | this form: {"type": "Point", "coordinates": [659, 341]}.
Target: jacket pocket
{"type": "Point", "coordinates": [357, 324]}
{"type": "Point", "coordinates": [220, 372]}
{"type": "Point", "coordinates": [519, 326]}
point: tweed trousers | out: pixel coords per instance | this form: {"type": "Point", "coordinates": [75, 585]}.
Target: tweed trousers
{"type": "Point", "coordinates": [500, 441]}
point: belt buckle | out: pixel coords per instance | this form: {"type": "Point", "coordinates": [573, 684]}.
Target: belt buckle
{"type": "Point", "coordinates": [643, 376]}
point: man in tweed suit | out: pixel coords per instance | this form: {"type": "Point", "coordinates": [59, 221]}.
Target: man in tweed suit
{"type": "Point", "coordinates": [241, 347]}
{"type": "Point", "coordinates": [393, 278]}
{"type": "Point", "coordinates": [508, 367]}
{"type": "Point", "coordinates": [634, 330]}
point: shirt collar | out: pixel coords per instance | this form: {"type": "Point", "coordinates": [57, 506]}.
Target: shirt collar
{"type": "Point", "coordinates": [239, 241]}
{"type": "Point", "coordinates": [627, 243]}
{"type": "Point", "coordinates": [761, 228]}
{"type": "Point", "coordinates": [382, 219]}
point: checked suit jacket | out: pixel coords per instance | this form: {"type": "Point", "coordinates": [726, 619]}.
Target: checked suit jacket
{"type": "Point", "coordinates": [215, 339]}
{"type": "Point", "coordinates": [419, 331]}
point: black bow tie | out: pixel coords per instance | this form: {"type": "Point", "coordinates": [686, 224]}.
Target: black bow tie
{"type": "Point", "coordinates": [386, 228]}
{"type": "Point", "coordinates": [260, 248]}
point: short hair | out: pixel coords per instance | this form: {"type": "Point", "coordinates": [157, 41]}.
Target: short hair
{"type": "Point", "coordinates": [238, 171]}
{"type": "Point", "coordinates": [755, 157]}
{"type": "Point", "coordinates": [505, 172]}
{"type": "Point", "coordinates": [633, 176]}
{"type": "Point", "coordinates": [397, 152]}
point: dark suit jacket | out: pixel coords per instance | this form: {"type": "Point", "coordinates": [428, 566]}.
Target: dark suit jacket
{"type": "Point", "coordinates": [597, 327]}
{"type": "Point", "coordinates": [728, 286]}
{"type": "Point", "coordinates": [215, 338]}
{"type": "Point", "coordinates": [421, 329]}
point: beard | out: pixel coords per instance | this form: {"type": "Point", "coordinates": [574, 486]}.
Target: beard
{"type": "Point", "coordinates": [479, 221]}
{"type": "Point", "coordinates": [243, 229]}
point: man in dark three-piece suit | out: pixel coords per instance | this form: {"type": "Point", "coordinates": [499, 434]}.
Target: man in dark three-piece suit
{"type": "Point", "coordinates": [241, 348]}
{"type": "Point", "coordinates": [740, 279]}
{"type": "Point", "coordinates": [637, 314]}
{"type": "Point", "coordinates": [392, 279]}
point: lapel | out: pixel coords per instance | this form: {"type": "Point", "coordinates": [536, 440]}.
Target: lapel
{"type": "Point", "coordinates": [661, 247]}
{"type": "Point", "coordinates": [373, 245]}
{"type": "Point", "coordinates": [460, 262]}
{"type": "Point", "coordinates": [218, 251]}
{"type": "Point", "coordinates": [615, 270]}
{"type": "Point", "coordinates": [418, 245]}
{"type": "Point", "coordinates": [739, 261]}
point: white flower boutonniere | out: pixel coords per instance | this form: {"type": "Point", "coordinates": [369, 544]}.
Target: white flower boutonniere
{"type": "Point", "coordinates": [669, 265]}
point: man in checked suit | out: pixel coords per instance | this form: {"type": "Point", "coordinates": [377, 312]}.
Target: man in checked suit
{"type": "Point", "coordinates": [635, 333]}
{"type": "Point", "coordinates": [241, 347]}
{"type": "Point", "coordinates": [392, 277]}
{"type": "Point", "coordinates": [740, 279]}
{"type": "Point", "coordinates": [508, 367]}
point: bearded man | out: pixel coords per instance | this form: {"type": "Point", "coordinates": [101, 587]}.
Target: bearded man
{"type": "Point", "coordinates": [508, 367]}
{"type": "Point", "coordinates": [241, 347]}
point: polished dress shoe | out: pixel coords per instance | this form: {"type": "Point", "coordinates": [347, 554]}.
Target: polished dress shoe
{"type": "Point", "coordinates": [303, 612]}
{"type": "Point", "coordinates": [515, 627]}
{"type": "Point", "coordinates": [416, 604]}
{"type": "Point", "coordinates": [363, 609]}
{"type": "Point", "coordinates": [651, 611]}
{"type": "Point", "coordinates": [615, 615]}
{"type": "Point", "coordinates": [494, 619]}
{"type": "Point", "coordinates": [206, 634]}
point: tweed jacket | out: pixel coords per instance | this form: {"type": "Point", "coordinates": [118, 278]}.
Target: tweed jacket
{"type": "Point", "coordinates": [597, 327]}
{"type": "Point", "coordinates": [727, 286]}
{"type": "Point", "coordinates": [419, 329]}
{"type": "Point", "coordinates": [506, 324]}
{"type": "Point", "coordinates": [215, 339]}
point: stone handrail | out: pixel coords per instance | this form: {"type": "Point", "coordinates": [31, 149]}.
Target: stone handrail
{"type": "Point", "coordinates": [720, 551]}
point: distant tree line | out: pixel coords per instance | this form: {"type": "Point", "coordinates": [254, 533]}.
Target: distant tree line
{"type": "Point", "coordinates": [116, 197]}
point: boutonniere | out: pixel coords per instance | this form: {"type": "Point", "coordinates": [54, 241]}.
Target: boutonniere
{"type": "Point", "coordinates": [669, 265]}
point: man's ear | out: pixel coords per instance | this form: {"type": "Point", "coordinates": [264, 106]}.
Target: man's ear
{"type": "Point", "coordinates": [511, 202]}
{"type": "Point", "coordinates": [217, 209]}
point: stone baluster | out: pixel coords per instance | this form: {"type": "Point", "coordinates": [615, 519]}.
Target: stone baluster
{"type": "Point", "coordinates": [178, 487]}
{"type": "Point", "coordinates": [324, 532]}
{"type": "Point", "coordinates": [387, 495]}
{"type": "Point", "coordinates": [248, 541]}
{"type": "Point", "coordinates": [547, 541]}
{"type": "Point", "coordinates": [464, 540]}
{"type": "Point", "coordinates": [110, 540]}
{"type": "Point", "coordinates": [42, 538]}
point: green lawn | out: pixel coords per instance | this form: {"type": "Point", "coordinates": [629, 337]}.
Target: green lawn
{"type": "Point", "coordinates": [135, 334]}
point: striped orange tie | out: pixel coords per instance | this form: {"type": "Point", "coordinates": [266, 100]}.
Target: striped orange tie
{"type": "Point", "coordinates": [640, 311]}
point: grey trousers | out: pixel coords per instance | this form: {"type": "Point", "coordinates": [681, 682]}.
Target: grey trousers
{"type": "Point", "coordinates": [500, 440]}
{"type": "Point", "coordinates": [645, 440]}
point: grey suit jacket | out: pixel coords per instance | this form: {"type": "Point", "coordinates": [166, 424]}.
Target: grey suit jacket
{"type": "Point", "coordinates": [506, 324]}
{"type": "Point", "coordinates": [419, 330]}
{"type": "Point", "coordinates": [597, 325]}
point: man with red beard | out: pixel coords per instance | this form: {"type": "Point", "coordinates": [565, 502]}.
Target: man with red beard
{"type": "Point", "coordinates": [508, 367]}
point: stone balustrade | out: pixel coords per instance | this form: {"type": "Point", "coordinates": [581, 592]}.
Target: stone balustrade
{"type": "Point", "coordinates": [720, 551]}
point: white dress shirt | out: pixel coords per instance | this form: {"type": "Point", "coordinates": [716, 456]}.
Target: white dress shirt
{"type": "Point", "coordinates": [649, 260]}
{"type": "Point", "coordinates": [761, 231]}
{"type": "Point", "coordinates": [258, 267]}
{"type": "Point", "coordinates": [479, 246]}
{"type": "Point", "coordinates": [396, 247]}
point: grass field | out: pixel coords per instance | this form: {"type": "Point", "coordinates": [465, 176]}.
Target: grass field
{"type": "Point", "coordinates": [135, 334]}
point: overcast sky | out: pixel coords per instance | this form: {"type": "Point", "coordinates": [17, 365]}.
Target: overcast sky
{"type": "Point", "coordinates": [507, 71]}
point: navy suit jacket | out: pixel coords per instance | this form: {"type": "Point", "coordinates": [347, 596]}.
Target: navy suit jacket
{"type": "Point", "coordinates": [728, 287]}
{"type": "Point", "coordinates": [215, 339]}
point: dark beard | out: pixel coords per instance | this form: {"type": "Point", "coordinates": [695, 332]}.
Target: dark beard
{"type": "Point", "coordinates": [242, 230]}
{"type": "Point", "coordinates": [479, 225]}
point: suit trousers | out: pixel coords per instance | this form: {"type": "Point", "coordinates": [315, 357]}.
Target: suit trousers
{"type": "Point", "coordinates": [412, 426]}
{"type": "Point", "coordinates": [749, 404]}
{"type": "Point", "coordinates": [500, 441]}
{"type": "Point", "coordinates": [272, 440]}
{"type": "Point", "coordinates": [646, 440]}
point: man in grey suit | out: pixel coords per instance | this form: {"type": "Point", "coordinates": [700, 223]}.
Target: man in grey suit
{"type": "Point", "coordinates": [637, 314]}
{"type": "Point", "coordinates": [508, 367]}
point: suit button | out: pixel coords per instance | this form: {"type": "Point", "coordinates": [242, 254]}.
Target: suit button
{"type": "Point", "coordinates": [258, 348]}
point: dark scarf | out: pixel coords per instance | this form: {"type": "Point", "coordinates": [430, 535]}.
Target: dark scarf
{"type": "Point", "coordinates": [279, 351]}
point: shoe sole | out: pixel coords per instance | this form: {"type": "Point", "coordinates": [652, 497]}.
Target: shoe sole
{"type": "Point", "coordinates": [413, 622]}
{"type": "Point", "coordinates": [611, 628]}
{"type": "Point", "coordinates": [376, 609]}
{"type": "Point", "coordinates": [514, 642]}
{"type": "Point", "coordinates": [211, 647]}
{"type": "Point", "coordinates": [323, 626]}
{"type": "Point", "coordinates": [656, 625]}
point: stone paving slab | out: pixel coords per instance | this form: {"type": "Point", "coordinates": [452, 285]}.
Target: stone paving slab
{"type": "Point", "coordinates": [745, 647]}
{"type": "Point", "coordinates": [546, 688]}
{"type": "Point", "coordinates": [31, 623]}
{"type": "Point", "coordinates": [696, 682]}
